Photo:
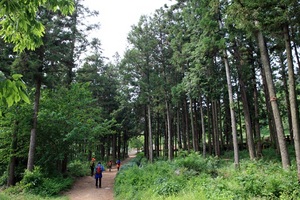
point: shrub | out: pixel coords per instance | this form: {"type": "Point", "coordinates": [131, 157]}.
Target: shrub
{"type": "Point", "coordinates": [34, 182]}
{"type": "Point", "coordinates": [3, 178]}
{"type": "Point", "coordinates": [197, 164]}
{"type": "Point", "coordinates": [32, 179]}
{"type": "Point", "coordinates": [78, 168]}
{"type": "Point", "coordinates": [193, 177]}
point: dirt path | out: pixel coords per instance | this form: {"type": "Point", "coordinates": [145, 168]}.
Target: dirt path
{"type": "Point", "coordinates": [84, 188]}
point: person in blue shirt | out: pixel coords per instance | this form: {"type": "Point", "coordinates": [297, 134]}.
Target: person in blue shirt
{"type": "Point", "coordinates": [98, 174]}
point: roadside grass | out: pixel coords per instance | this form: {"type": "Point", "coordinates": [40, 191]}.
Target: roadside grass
{"type": "Point", "coordinates": [37, 185]}
{"type": "Point", "coordinates": [190, 176]}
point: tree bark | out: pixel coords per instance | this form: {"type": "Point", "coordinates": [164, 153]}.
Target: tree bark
{"type": "Point", "coordinates": [292, 97]}
{"type": "Point", "coordinates": [183, 119]}
{"type": "Point", "coordinates": [286, 92]}
{"type": "Point", "coordinates": [278, 123]}
{"type": "Point", "coordinates": [187, 126]}
{"type": "Point", "coordinates": [256, 115]}
{"type": "Point", "coordinates": [32, 145]}
{"type": "Point", "coordinates": [146, 133]}
{"type": "Point", "coordinates": [179, 142]}
{"type": "Point", "coordinates": [12, 164]}
{"type": "Point", "coordinates": [215, 123]}
{"type": "Point", "coordinates": [203, 128]}
{"type": "Point", "coordinates": [246, 110]}
{"type": "Point", "coordinates": [192, 124]}
{"type": "Point", "coordinates": [170, 135]}
{"type": "Point", "coordinates": [231, 103]}
{"type": "Point", "coordinates": [150, 142]}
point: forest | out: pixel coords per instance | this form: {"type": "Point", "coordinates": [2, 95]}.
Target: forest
{"type": "Point", "coordinates": [206, 77]}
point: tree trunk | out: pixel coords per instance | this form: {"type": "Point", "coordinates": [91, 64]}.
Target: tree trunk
{"type": "Point", "coordinates": [271, 123]}
{"type": "Point", "coordinates": [256, 115]}
{"type": "Point", "coordinates": [187, 126]}
{"type": "Point", "coordinates": [231, 103]}
{"type": "Point", "coordinates": [12, 164]}
{"type": "Point", "coordinates": [170, 135]}
{"type": "Point", "coordinates": [295, 49]}
{"type": "Point", "coordinates": [179, 142]}
{"type": "Point", "coordinates": [293, 98]}
{"type": "Point", "coordinates": [209, 125]}
{"type": "Point", "coordinates": [203, 128]}
{"type": "Point", "coordinates": [197, 131]}
{"type": "Point", "coordinates": [286, 93]}
{"type": "Point", "coordinates": [220, 125]}
{"type": "Point", "coordinates": [192, 124]}
{"type": "Point", "coordinates": [278, 123]}
{"type": "Point", "coordinates": [248, 123]}
{"type": "Point", "coordinates": [166, 137]}
{"type": "Point", "coordinates": [183, 119]}
{"type": "Point", "coordinates": [146, 134]}
{"type": "Point", "coordinates": [216, 141]}
{"type": "Point", "coordinates": [157, 135]}
{"type": "Point", "coordinates": [150, 143]}
{"type": "Point", "coordinates": [32, 145]}
{"type": "Point", "coordinates": [232, 113]}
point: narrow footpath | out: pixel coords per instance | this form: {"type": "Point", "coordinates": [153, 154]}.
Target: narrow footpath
{"type": "Point", "coordinates": [84, 188]}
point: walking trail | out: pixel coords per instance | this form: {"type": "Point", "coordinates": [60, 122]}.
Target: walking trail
{"type": "Point", "coordinates": [84, 187]}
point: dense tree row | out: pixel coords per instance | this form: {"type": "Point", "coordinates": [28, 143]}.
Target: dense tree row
{"type": "Point", "coordinates": [211, 75]}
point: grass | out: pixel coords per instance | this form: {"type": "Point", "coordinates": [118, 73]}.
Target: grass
{"type": "Point", "coordinates": [193, 177]}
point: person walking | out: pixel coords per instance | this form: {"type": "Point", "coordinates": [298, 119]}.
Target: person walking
{"type": "Point", "coordinates": [118, 164]}
{"type": "Point", "coordinates": [92, 166]}
{"type": "Point", "coordinates": [98, 174]}
{"type": "Point", "coordinates": [109, 165]}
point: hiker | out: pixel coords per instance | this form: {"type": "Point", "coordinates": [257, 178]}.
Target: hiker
{"type": "Point", "coordinates": [92, 166]}
{"type": "Point", "coordinates": [98, 174]}
{"type": "Point", "coordinates": [109, 165]}
{"type": "Point", "coordinates": [118, 164]}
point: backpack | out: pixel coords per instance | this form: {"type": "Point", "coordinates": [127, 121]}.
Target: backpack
{"type": "Point", "coordinates": [98, 170]}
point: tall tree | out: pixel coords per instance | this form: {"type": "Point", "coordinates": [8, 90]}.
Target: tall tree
{"type": "Point", "coordinates": [292, 96]}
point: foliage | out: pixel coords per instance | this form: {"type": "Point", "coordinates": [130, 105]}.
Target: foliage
{"type": "Point", "coordinates": [3, 178]}
{"type": "Point", "coordinates": [190, 176]}
{"type": "Point", "coordinates": [32, 179]}
{"type": "Point", "coordinates": [136, 142]}
{"type": "Point", "coordinates": [35, 182]}
{"type": "Point", "coordinates": [78, 168]}
{"type": "Point", "coordinates": [193, 162]}
{"type": "Point", "coordinates": [20, 24]}
{"type": "Point", "coordinates": [67, 117]}
{"type": "Point", "coordinates": [12, 91]}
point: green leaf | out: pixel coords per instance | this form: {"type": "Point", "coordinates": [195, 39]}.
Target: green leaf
{"type": "Point", "coordinates": [17, 76]}
{"type": "Point", "coordinates": [24, 97]}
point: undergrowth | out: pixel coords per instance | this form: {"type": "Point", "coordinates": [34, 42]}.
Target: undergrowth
{"type": "Point", "coordinates": [190, 176]}
{"type": "Point", "coordinates": [38, 185]}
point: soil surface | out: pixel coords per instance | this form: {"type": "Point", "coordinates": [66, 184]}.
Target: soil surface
{"type": "Point", "coordinates": [84, 188]}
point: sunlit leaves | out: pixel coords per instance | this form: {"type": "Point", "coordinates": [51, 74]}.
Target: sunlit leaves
{"type": "Point", "coordinates": [20, 23]}
{"type": "Point", "coordinates": [12, 91]}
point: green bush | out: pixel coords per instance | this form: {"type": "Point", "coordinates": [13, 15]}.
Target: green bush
{"type": "Point", "coordinates": [34, 182]}
{"type": "Point", "coordinates": [32, 179]}
{"type": "Point", "coordinates": [168, 188]}
{"type": "Point", "coordinates": [196, 164]}
{"type": "Point", "coordinates": [192, 177]}
{"type": "Point", "coordinates": [3, 178]}
{"type": "Point", "coordinates": [53, 186]}
{"type": "Point", "coordinates": [78, 168]}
